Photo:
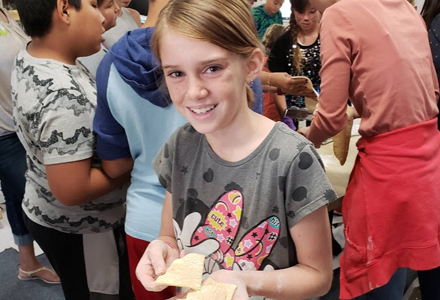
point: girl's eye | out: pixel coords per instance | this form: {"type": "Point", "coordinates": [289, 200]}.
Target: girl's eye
{"type": "Point", "coordinates": [213, 69]}
{"type": "Point", "coordinates": [175, 74]}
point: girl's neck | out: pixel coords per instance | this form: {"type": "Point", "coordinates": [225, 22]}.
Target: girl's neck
{"type": "Point", "coordinates": [239, 141]}
{"type": "Point", "coordinates": [308, 37]}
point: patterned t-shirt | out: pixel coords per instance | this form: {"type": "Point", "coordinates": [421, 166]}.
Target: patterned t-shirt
{"type": "Point", "coordinates": [238, 214]}
{"type": "Point", "coordinates": [263, 20]}
{"type": "Point", "coordinates": [54, 106]}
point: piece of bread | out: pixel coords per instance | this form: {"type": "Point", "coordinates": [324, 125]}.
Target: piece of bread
{"type": "Point", "coordinates": [212, 290]}
{"type": "Point", "coordinates": [184, 272]}
{"type": "Point", "coordinates": [14, 14]}
{"type": "Point", "coordinates": [312, 100]}
{"type": "Point", "coordinates": [341, 141]}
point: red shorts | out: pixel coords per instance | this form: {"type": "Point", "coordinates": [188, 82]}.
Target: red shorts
{"type": "Point", "coordinates": [136, 249]}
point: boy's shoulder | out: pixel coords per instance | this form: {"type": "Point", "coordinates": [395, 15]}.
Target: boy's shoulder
{"type": "Point", "coordinates": [54, 75]}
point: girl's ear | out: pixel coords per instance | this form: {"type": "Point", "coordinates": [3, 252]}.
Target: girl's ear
{"type": "Point", "coordinates": [255, 64]}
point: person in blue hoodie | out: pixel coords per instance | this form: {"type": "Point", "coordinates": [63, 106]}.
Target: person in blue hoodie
{"type": "Point", "coordinates": [133, 119]}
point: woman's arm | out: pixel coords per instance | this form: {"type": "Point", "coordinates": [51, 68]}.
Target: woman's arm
{"type": "Point", "coordinates": [336, 55]}
{"type": "Point", "coordinates": [75, 183]}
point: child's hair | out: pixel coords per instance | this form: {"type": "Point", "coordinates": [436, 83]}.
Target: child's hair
{"type": "Point", "coordinates": [228, 24]}
{"type": "Point", "coordinates": [299, 6]}
{"type": "Point", "coordinates": [413, 2]}
{"type": "Point", "coordinates": [271, 35]}
{"type": "Point", "coordinates": [430, 9]}
{"type": "Point", "coordinates": [36, 15]}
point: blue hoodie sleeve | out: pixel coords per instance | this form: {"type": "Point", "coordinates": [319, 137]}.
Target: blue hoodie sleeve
{"type": "Point", "coordinates": [257, 88]}
{"type": "Point", "coordinates": [111, 139]}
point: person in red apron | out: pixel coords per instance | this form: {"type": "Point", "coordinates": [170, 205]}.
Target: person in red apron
{"type": "Point", "coordinates": [377, 54]}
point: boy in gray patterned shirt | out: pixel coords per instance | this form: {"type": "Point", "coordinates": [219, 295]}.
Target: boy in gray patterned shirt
{"type": "Point", "coordinates": [73, 210]}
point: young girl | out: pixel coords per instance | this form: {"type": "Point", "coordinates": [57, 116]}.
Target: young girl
{"type": "Point", "coordinates": [392, 205]}
{"type": "Point", "coordinates": [297, 51]}
{"type": "Point", "coordinates": [248, 193]}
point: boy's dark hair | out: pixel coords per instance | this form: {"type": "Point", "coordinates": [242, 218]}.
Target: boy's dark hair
{"type": "Point", "coordinates": [36, 15]}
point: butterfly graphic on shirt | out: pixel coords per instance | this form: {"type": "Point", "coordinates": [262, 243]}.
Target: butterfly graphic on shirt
{"type": "Point", "coordinates": [217, 235]}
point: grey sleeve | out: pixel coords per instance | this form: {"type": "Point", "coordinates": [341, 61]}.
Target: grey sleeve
{"type": "Point", "coordinates": [307, 186]}
{"type": "Point", "coordinates": [163, 163]}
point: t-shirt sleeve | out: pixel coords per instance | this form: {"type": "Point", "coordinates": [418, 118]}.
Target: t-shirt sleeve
{"type": "Point", "coordinates": [336, 55]}
{"type": "Point", "coordinates": [111, 138]}
{"type": "Point", "coordinates": [307, 186]}
{"type": "Point", "coordinates": [64, 132]}
{"type": "Point", "coordinates": [163, 162]}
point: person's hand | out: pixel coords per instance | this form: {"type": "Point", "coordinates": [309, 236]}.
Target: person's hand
{"type": "Point", "coordinates": [292, 86]}
{"type": "Point", "coordinates": [304, 131]}
{"type": "Point", "coordinates": [156, 259]}
{"type": "Point", "coordinates": [232, 277]}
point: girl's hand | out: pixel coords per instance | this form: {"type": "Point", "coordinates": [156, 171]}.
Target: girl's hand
{"type": "Point", "coordinates": [232, 277]}
{"type": "Point", "coordinates": [156, 259]}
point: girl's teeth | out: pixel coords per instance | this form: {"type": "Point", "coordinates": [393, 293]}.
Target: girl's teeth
{"type": "Point", "coordinates": [202, 110]}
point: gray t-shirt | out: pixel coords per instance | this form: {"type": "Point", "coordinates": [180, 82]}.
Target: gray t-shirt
{"type": "Point", "coordinates": [239, 214]}
{"type": "Point", "coordinates": [54, 106]}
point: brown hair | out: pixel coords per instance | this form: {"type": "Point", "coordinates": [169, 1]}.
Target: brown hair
{"type": "Point", "coordinates": [228, 24]}
{"type": "Point", "coordinates": [299, 6]}
{"type": "Point", "coordinates": [272, 33]}
{"type": "Point", "coordinates": [430, 9]}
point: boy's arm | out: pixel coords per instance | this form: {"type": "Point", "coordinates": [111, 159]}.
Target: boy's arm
{"type": "Point", "coordinates": [117, 167]}
{"type": "Point", "coordinates": [75, 183]}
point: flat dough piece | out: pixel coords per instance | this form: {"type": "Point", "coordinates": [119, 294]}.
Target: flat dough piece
{"type": "Point", "coordinates": [310, 102]}
{"type": "Point", "coordinates": [341, 141]}
{"type": "Point", "coordinates": [184, 272]}
{"type": "Point", "coordinates": [213, 290]}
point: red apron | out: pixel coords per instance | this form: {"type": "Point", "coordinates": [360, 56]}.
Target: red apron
{"type": "Point", "coordinates": [392, 208]}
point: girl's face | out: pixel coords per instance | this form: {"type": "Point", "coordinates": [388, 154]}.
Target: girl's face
{"type": "Point", "coordinates": [207, 83]}
{"type": "Point", "coordinates": [308, 19]}
{"type": "Point", "coordinates": [110, 11]}
{"type": "Point", "coordinates": [123, 3]}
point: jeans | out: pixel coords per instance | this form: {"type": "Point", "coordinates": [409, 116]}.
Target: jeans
{"type": "Point", "coordinates": [13, 181]}
{"type": "Point", "coordinates": [393, 290]}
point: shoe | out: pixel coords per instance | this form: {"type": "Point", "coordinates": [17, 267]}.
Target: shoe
{"type": "Point", "coordinates": [31, 275]}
